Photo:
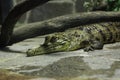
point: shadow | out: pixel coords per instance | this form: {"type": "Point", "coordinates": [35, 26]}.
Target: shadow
{"type": "Point", "coordinates": [6, 49]}
{"type": "Point", "coordinates": [56, 54]}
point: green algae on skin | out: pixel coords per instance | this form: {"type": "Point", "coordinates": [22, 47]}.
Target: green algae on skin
{"type": "Point", "coordinates": [57, 42]}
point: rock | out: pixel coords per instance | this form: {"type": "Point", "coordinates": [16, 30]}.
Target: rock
{"type": "Point", "coordinates": [50, 10]}
{"type": "Point", "coordinates": [79, 5]}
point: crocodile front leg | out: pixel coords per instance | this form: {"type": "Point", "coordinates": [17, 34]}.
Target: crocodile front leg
{"type": "Point", "coordinates": [94, 45]}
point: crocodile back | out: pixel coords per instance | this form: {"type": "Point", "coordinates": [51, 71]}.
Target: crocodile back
{"type": "Point", "coordinates": [104, 32]}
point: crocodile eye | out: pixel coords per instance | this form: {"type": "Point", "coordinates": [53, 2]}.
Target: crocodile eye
{"type": "Point", "coordinates": [53, 39]}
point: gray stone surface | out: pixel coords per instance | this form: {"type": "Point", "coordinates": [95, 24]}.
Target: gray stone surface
{"type": "Point", "coordinates": [80, 5]}
{"type": "Point", "coordinates": [50, 10]}
{"type": "Point", "coordinates": [99, 64]}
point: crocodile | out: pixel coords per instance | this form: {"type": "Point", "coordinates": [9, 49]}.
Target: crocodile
{"type": "Point", "coordinates": [87, 37]}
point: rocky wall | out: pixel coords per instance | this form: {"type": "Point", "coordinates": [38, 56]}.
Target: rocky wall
{"type": "Point", "coordinates": [52, 9]}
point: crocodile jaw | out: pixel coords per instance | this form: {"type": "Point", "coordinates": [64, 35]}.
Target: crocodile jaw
{"type": "Point", "coordinates": [35, 51]}
{"type": "Point", "coordinates": [43, 49]}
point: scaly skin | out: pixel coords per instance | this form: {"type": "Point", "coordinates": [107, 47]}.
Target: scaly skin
{"type": "Point", "coordinates": [88, 37]}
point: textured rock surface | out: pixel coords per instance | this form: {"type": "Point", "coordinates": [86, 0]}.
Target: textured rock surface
{"type": "Point", "coordinates": [99, 64]}
{"type": "Point", "coordinates": [52, 9]}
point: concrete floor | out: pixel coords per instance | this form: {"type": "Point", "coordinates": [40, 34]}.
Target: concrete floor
{"type": "Point", "coordinates": [75, 65]}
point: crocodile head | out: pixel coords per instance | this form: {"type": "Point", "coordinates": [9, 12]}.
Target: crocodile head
{"type": "Point", "coordinates": [54, 43]}
{"type": "Point", "coordinates": [59, 42]}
